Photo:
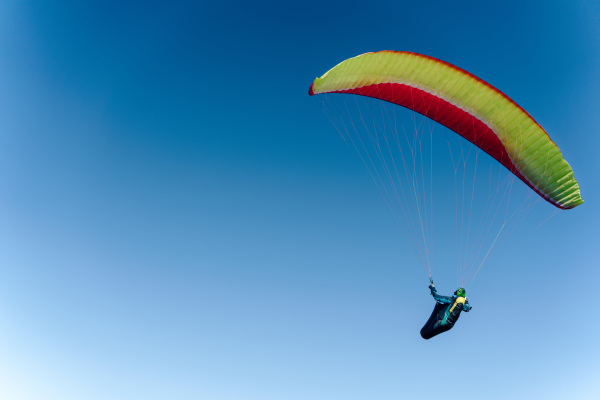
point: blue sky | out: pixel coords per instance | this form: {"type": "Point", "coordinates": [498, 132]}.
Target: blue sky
{"type": "Point", "coordinates": [179, 219]}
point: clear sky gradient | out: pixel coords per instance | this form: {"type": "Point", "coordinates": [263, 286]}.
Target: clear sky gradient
{"type": "Point", "coordinates": [179, 219]}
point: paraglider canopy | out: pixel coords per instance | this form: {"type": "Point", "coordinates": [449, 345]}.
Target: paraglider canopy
{"type": "Point", "coordinates": [467, 105]}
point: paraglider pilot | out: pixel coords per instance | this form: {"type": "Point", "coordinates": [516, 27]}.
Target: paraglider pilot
{"type": "Point", "coordinates": [445, 313]}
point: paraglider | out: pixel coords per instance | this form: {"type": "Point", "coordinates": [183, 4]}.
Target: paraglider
{"type": "Point", "coordinates": [477, 112]}
{"type": "Point", "coordinates": [445, 313]}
